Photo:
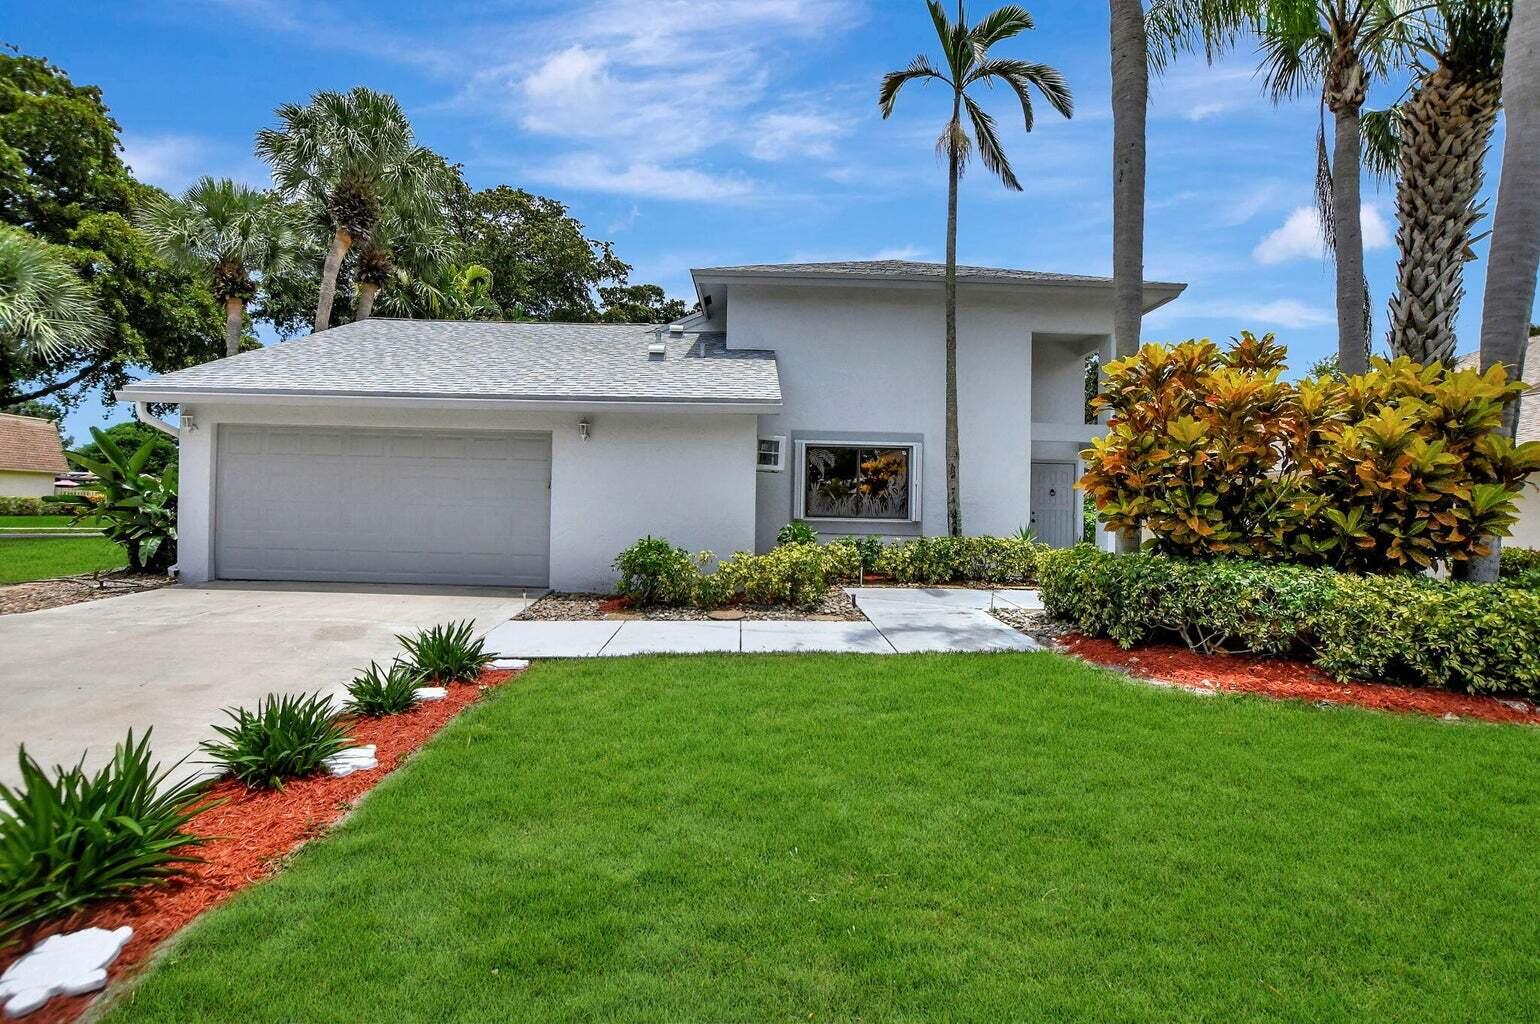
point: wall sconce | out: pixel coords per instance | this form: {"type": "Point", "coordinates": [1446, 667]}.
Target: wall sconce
{"type": "Point", "coordinates": [189, 422]}
{"type": "Point", "coordinates": [584, 426]}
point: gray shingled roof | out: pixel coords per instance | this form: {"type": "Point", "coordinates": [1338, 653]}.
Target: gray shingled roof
{"type": "Point", "coordinates": [1529, 404]}
{"type": "Point", "coordinates": [516, 361]}
{"type": "Point", "coordinates": [910, 270]}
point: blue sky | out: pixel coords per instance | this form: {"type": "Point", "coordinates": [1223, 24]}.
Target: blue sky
{"type": "Point", "coordinates": [701, 132]}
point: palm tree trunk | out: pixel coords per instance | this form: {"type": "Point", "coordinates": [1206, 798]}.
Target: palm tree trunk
{"type": "Point", "coordinates": [341, 242]}
{"type": "Point", "coordinates": [954, 523]}
{"type": "Point", "coordinates": [1447, 126]}
{"type": "Point", "coordinates": [235, 319]}
{"type": "Point", "coordinates": [1514, 257]}
{"type": "Point", "coordinates": [1130, 100]}
{"type": "Point", "coordinates": [366, 294]}
{"type": "Point", "coordinates": [1352, 332]}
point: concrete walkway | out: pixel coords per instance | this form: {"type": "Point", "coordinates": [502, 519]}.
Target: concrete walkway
{"type": "Point", "coordinates": [899, 621]}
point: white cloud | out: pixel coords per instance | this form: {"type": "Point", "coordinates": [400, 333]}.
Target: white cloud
{"type": "Point", "coordinates": [1204, 92]}
{"type": "Point", "coordinates": [170, 161]}
{"type": "Point", "coordinates": [802, 134]}
{"type": "Point", "coordinates": [1231, 315]}
{"type": "Point", "coordinates": [595, 173]}
{"type": "Point", "coordinates": [1300, 237]}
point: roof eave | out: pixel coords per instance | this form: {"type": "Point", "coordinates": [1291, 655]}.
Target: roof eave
{"type": "Point", "coordinates": [290, 396]}
{"type": "Point", "coordinates": [702, 275]}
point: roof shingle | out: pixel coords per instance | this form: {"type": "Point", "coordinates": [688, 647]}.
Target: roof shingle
{"type": "Point", "coordinates": [912, 270]}
{"type": "Point", "coordinates": [30, 444]}
{"type": "Point", "coordinates": [516, 361]}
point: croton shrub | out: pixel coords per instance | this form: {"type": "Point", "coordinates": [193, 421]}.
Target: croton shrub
{"type": "Point", "coordinates": [1216, 454]}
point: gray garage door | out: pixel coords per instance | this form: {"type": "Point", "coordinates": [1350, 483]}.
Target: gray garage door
{"type": "Point", "coordinates": [382, 506]}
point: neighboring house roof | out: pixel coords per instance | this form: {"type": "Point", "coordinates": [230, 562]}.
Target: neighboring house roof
{"type": "Point", "coordinates": [30, 445]}
{"type": "Point", "coordinates": [522, 362]}
{"type": "Point", "coordinates": [916, 272]}
{"type": "Point", "coordinates": [1529, 404]}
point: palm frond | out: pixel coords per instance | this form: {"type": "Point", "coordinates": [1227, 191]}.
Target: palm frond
{"type": "Point", "coordinates": [991, 153]}
{"type": "Point", "coordinates": [893, 81]}
{"type": "Point", "coordinates": [998, 26]}
{"type": "Point", "coordinates": [1294, 46]}
{"type": "Point", "coordinates": [1024, 75]}
{"type": "Point", "coordinates": [1175, 27]}
{"type": "Point", "coordinates": [1323, 192]}
{"type": "Point", "coordinates": [46, 310]}
{"type": "Point", "coordinates": [956, 47]}
{"type": "Point", "coordinates": [1381, 134]}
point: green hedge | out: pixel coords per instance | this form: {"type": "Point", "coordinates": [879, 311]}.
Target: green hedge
{"type": "Point", "coordinates": [39, 507]}
{"type": "Point", "coordinates": [1460, 636]}
{"type": "Point", "coordinates": [961, 560]}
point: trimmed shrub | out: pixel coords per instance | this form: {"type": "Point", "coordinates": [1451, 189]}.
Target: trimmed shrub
{"type": "Point", "coordinates": [450, 653]}
{"type": "Point", "coordinates": [77, 837]}
{"type": "Point", "coordinates": [1519, 561]}
{"type": "Point", "coordinates": [377, 692]}
{"type": "Point", "coordinates": [795, 574]}
{"type": "Point", "coordinates": [23, 507]}
{"type": "Point", "coordinates": [654, 572]}
{"type": "Point", "coordinates": [1393, 470]}
{"type": "Point", "coordinates": [1001, 560]}
{"type": "Point", "coordinates": [796, 532]}
{"type": "Point", "coordinates": [284, 738]}
{"type": "Point", "coordinates": [1460, 636]}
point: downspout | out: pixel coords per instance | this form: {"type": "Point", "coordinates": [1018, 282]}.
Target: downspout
{"type": "Point", "coordinates": [143, 414]}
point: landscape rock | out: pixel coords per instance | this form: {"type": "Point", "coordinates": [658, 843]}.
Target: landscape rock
{"type": "Point", "coordinates": [353, 759]}
{"type": "Point", "coordinates": [431, 692]}
{"type": "Point", "coordinates": [70, 964]}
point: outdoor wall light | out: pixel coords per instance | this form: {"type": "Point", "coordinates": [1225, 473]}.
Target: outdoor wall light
{"type": "Point", "coordinates": [584, 427]}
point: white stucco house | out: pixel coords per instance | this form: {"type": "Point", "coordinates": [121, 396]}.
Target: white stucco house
{"type": "Point", "coordinates": [528, 454]}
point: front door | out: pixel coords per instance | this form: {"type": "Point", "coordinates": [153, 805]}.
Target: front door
{"type": "Point", "coordinates": [1055, 505]}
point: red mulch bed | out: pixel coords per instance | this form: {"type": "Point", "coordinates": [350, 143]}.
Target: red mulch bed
{"type": "Point", "coordinates": [256, 830]}
{"type": "Point", "coordinates": [1290, 679]}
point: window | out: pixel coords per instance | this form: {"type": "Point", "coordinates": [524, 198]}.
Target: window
{"type": "Point", "coordinates": [858, 481]}
{"type": "Point", "coordinates": [772, 454]}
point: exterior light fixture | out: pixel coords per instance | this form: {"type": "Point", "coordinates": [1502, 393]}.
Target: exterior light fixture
{"type": "Point", "coordinates": [584, 426]}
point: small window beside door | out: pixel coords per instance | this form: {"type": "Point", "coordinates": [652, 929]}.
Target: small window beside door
{"type": "Point", "coordinates": [772, 454]}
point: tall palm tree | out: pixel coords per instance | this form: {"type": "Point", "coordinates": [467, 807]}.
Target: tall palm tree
{"type": "Point", "coordinates": [46, 310]}
{"type": "Point", "coordinates": [1441, 133]}
{"type": "Point", "coordinates": [227, 231]}
{"type": "Point", "coordinates": [1130, 101]}
{"type": "Point", "coordinates": [349, 156]}
{"type": "Point", "coordinates": [399, 246]}
{"type": "Point", "coordinates": [1514, 257]}
{"type": "Point", "coordinates": [965, 50]}
{"type": "Point", "coordinates": [444, 293]}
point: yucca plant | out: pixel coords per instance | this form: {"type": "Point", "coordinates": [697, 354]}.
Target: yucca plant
{"type": "Point", "coordinates": [450, 653]}
{"type": "Point", "coordinates": [376, 692]}
{"type": "Point", "coordinates": [287, 736]}
{"type": "Point", "coordinates": [80, 837]}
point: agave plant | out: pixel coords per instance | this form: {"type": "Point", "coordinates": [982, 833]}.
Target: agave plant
{"type": "Point", "coordinates": [77, 837]}
{"type": "Point", "coordinates": [138, 509]}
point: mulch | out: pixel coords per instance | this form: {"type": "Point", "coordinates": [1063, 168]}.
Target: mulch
{"type": "Point", "coordinates": [256, 831]}
{"type": "Point", "coordinates": [1289, 679]}
{"type": "Point", "coordinates": [65, 590]}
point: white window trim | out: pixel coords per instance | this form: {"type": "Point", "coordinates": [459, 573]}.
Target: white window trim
{"type": "Point", "coordinates": [799, 479]}
{"type": "Point", "coordinates": [780, 454]}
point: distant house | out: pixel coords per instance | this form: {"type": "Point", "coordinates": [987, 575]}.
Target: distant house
{"type": "Point", "coordinates": [31, 455]}
{"type": "Point", "coordinates": [1526, 532]}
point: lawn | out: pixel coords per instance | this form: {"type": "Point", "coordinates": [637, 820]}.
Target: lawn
{"type": "Point", "coordinates": [964, 837]}
{"type": "Point", "coordinates": [47, 522]}
{"type": "Point", "coordinates": [42, 558]}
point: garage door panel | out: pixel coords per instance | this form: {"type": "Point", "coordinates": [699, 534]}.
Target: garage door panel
{"type": "Point", "coordinates": [382, 506]}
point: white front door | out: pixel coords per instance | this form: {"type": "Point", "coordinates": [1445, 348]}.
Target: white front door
{"type": "Point", "coordinates": [382, 505]}
{"type": "Point", "coordinates": [1055, 513]}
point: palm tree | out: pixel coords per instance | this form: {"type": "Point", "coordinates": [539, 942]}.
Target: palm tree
{"type": "Point", "coordinates": [967, 63]}
{"type": "Point", "coordinates": [398, 247]}
{"type": "Point", "coordinates": [1514, 257]}
{"type": "Point", "coordinates": [227, 231]}
{"type": "Point", "coordinates": [444, 293]}
{"type": "Point", "coordinates": [46, 311]}
{"type": "Point", "coordinates": [349, 157]}
{"type": "Point", "coordinates": [1130, 100]}
{"type": "Point", "coordinates": [1440, 134]}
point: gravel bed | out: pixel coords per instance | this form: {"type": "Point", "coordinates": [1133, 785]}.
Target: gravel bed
{"type": "Point", "coordinates": [1038, 625]}
{"type": "Point", "coordinates": [56, 593]}
{"type": "Point", "coordinates": [555, 606]}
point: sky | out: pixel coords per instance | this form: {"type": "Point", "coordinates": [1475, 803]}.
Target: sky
{"type": "Point", "coordinates": [707, 132]}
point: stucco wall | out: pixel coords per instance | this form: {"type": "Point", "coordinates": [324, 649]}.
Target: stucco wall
{"type": "Point", "coordinates": [1526, 532]}
{"type": "Point", "coordinates": [687, 477]}
{"type": "Point", "coordinates": [15, 483]}
{"type": "Point", "coordinates": [872, 359]}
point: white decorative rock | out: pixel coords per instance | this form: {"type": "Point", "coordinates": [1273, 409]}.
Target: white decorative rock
{"type": "Point", "coordinates": [513, 663]}
{"type": "Point", "coordinates": [69, 964]}
{"type": "Point", "coordinates": [431, 692]}
{"type": "Point", "coordinates": [353, 759]}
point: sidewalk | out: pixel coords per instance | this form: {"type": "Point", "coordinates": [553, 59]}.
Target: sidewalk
{"type": "Point", "coordinates": [899, 621]}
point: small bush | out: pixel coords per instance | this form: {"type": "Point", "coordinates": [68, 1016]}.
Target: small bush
{"type": "Point", "coordinates": [870, 551]}
{"type": "Point", "coordinates": [1460, 636]}
{"type": "Point", "coordinates": [1519, 561]}
{"type": "Point", "coordinates": [78, 837]}
{"type": "Point", "coordinates": [796, 532]}
{"type": "Point", "coordinates": [998, 560]}
{"type": "Point", "coordinates": [654, 572]}
{"type": "Point", "coordinates": [794, 574]}
{"type": "Point", "coordinates": [286, 737]}
{"type": "Point", "coordinates": [21, 506]}
{"type": "Point", "coordinates": [377, 692]}
{"type": "Point", "coordinates": [450, 653]}
{"type": "Point", "coordinates": [136, 508]}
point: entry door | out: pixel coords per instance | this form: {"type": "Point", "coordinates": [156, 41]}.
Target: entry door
{"type": "Point", "coordinates": [382, 506]}
{"type": "Point", "coordinates": [1055, 516]}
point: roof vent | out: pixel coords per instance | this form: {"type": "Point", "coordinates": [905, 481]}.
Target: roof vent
{"type": "Point", "coordinates": [656, 350]}
{"type": "Point", "coordinates": [676, 328]}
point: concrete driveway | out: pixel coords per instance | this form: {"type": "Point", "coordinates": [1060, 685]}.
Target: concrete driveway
{"type": "Point", "coordinates": [74, 679]}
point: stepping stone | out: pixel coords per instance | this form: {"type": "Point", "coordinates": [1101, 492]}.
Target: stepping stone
{"type": "Point", "coordinates": [431, 692]}
{"type": "Point", "coordinates": [661, 637]}
{"type": "Point", "coordinates": [68, 964]}
{"type": "Point", "coordinates": [726, 614]}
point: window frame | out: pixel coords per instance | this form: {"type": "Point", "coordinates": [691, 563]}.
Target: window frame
{"type": "Point", "coordinates": [799, 480]}
{"type": "Point", "coordinates": [780, 454]}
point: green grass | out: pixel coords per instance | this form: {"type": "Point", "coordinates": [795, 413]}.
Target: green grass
{"type": "Point", "coordinates": [49, 522]}
{"type": "Point", "coordinates": [966, 838]}
{"type": "Point", "coordinates": [42, 558]}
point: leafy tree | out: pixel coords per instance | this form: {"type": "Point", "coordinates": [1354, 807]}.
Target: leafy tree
{"type": "Point", "coordinates": [350, 158]}
{"type": "Point", "coordinates": [444, 293]}
{"type": "Point", "coordinates": [640, 304]}
{"type": "Point", "coordinates": [225, 232]}
{"type": "Point", "coordinates": [965, 49]}
{"type": "Point", "coordinates": [61, 180]}
{"type": "Point", "coordinates": [130, 436]}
